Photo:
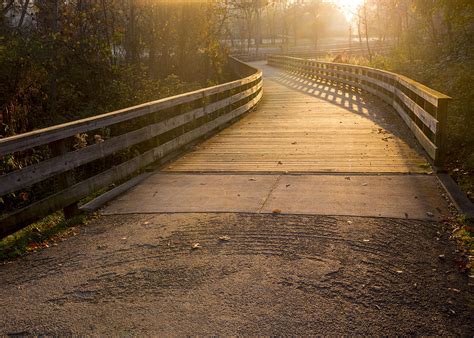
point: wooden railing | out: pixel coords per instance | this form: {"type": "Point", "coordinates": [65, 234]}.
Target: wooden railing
{"type": "Point", "coordinates": [122, 143]}
{"type": "Point", "coordinates": [309, 53]}
{"type": "Point", "coordinates": [423, 109]}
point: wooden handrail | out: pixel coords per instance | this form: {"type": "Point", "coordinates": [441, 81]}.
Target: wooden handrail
{"type": "Point", "coordinates": [311, 52]}
{"type": "Point", "coordinates": [424, 110]}
{"type": "Point", "coordinates": [139, 136]}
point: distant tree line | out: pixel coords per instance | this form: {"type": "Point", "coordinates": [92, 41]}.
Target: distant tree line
{"type": "Point", "coordinates": [282, 22]}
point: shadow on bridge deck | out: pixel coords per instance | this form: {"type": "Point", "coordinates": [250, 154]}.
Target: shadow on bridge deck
{"type": "Point", "coordinates": [303, 126]}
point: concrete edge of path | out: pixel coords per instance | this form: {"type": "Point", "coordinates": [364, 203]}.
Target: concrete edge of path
{"type": "Point", "coordinates": [106, 197]}
{"type": "Point", "coordinates": [276, 214]}
{"type": "Point", "coordinates": [462, 203]}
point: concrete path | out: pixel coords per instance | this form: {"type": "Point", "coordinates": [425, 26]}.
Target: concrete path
{"type": "Point", "coordinates": [395, 196]}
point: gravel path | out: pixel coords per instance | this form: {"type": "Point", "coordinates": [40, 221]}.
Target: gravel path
{"type": "Point", "coordinates": [138, 274]}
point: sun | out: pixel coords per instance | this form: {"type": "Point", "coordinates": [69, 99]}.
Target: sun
{"type": "Point", "coordinates": [348, 7]}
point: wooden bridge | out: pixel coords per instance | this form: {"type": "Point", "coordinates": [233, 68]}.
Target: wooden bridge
{"type": "Point", "coordinates": [300, 198]}
{"type": "Point", "coordinates": [314, 118]}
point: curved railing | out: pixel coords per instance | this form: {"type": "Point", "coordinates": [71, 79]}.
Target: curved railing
{"type": "Point", "coordinates": [423, 109]}
{"type": "Point", "coordinates": [123, 143]}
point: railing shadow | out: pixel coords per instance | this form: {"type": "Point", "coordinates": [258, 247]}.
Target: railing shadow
{"type": "Point", "coordinates": [353, 100]}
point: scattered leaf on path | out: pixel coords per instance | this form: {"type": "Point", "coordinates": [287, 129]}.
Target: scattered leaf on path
{"type": "Point", "coordinates": [276, 211]}
{"type": "Point", "coordinates": [196, 246]}
{"type": "Point", "coordinates": [429, 214]}
{"type": "Point", "coordinates": [224, 238]}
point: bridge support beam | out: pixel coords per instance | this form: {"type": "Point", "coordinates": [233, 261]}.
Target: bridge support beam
{"type": "Point", "coordinates": [66, 179]}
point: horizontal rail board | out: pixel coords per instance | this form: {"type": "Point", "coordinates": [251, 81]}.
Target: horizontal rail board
{"type": "Point", "coordinates": [422, 114]}
{"type": "Point", "coordinates": [429, 147]}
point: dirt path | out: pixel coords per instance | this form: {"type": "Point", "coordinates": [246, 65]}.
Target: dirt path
{"type": "Point", "coordinates": [276, 275]}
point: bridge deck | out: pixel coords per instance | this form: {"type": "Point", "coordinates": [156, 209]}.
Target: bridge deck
{"type": "Point", "coordinates": [309, 127]}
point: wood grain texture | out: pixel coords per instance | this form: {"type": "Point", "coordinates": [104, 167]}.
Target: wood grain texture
{"type": "Point", "coordinates": [307, 126]}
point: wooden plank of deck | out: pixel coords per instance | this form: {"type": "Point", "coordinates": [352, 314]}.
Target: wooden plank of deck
{"type": "Point", "coordinates": [302, 126]}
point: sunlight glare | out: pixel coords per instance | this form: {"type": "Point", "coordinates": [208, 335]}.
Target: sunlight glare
{"type": "Point", "coordinates": [348, 7]}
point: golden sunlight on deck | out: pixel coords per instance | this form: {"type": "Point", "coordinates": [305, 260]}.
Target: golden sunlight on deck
{"type": "Point", "coordinates": [303, 126]}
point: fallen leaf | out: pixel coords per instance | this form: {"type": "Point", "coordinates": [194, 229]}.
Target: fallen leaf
{"type": "Point", "coordinates": [224, 238]}
{"type": "Point", "coordinates": [124, 238]}
{"type": "Point", "coordinates": [349, 222]}
{"type": "Point", "coordinates": [252, 179]}
{"type": "Point", "coordinates": [429, 214]}
{"type": "Point", "coordinates": [366, 240]}
{"type": "Point", "coordinates": [280, 162]}
{"type": "Point", "coordinates": [442, 257]}
{"type": "Point", "coordinates": [364, 184]}
{"type": "Point", "coordinates": [276, 211]}
{"type": "Point", "coordinates": [399, 271]}
{"type": "Point", "coordinates": [196, 246]}
{"type": "Point", "coordinates": [347, 178]}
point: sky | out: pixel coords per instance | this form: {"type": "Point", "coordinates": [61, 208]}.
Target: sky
{"type": "Point", "coordinates": [348, 7]}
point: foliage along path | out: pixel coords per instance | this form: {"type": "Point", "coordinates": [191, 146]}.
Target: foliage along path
{"type": "Point", "coordinates": [312, 214]}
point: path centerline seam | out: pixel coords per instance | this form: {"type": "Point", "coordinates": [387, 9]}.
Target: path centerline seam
{"type": "Point", "coordinates": [273, 187]}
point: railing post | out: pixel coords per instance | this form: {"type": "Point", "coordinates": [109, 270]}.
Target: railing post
{"type": "Point", "coordinates": [66, 179]}
{"type": "Point", "coordinates": [440, 137]}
